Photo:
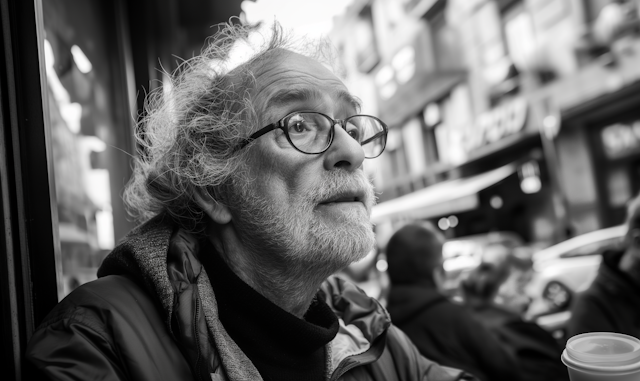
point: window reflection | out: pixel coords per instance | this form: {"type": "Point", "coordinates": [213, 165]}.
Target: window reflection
{"type": "Point", "coordinates": [90, 132]}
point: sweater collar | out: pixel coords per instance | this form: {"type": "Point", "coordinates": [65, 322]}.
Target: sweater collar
{"type": "Point", "coordinates": [252, 320]}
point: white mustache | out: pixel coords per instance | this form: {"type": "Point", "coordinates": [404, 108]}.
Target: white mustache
{"type": "Point", "coordinates": [338, 182]}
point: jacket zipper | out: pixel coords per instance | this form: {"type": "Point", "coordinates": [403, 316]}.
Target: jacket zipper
{"type": "Point", "coordinates": [342, 368]}
{"type": "Point", "coordinates": [352, 361]}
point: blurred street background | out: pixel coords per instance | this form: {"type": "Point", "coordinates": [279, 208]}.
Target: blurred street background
{"type": "Point", "coordinates": [512, 123]}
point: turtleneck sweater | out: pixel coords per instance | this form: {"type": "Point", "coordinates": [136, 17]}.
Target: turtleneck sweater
{"type": "Point", "coordinates": [282, 346]}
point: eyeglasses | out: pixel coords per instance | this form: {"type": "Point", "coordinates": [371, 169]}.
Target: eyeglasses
{"type": "Point", "coordinates": [312, 132]}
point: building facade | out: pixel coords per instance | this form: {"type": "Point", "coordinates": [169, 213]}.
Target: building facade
{"type": "Point", "coordinates": [517, 115]}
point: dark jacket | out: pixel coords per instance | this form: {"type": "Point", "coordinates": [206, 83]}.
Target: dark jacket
{"type": "Point", "coordinates": [152, 315]}
{"type": "Point", "coordinates": [448, 333]}
{"type": "Point", "coordinates": [536, 352]}
{"type": "Point", "coordinates": [610, 304]}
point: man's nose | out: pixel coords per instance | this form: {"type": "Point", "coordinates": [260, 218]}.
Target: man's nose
{"type": "Point", "coordinates": [345, 152]}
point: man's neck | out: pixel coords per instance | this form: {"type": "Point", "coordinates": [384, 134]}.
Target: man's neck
{"type": "Point", "coordinates": [290, 286]}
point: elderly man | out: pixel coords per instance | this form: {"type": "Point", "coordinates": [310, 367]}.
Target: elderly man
{"type": "Point", "coordinates": [612, 302]}
{"type": "Point", "coordinates": [253, 176]}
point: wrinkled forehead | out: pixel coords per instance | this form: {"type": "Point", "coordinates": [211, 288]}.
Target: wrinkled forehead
{"type": "Point", "coordinates": [285, 80]}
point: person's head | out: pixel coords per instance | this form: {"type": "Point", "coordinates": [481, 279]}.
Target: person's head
{"type": "Point", "coordinates": [483, 282]}
{"type": "Point", "coordinates": [414, 254]}
{"type": "Point", "coordinates": [202, 166]}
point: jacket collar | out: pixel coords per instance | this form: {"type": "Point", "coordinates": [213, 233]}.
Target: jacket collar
{"type": "Point", "coordinates": [142, 255]}
{"type": "Point", "coordinates": [164, 257]}
{"type": "Point", "coordinates": [363, 325]}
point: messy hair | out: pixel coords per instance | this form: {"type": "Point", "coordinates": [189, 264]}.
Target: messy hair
{"type": "Point", "coordinates": [189, 133]}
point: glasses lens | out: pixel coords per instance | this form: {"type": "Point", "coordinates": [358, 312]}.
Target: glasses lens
{"type": "Point", "coordinates": [370, 133]}
{"type": "Point", "coordinates": [309, 132]}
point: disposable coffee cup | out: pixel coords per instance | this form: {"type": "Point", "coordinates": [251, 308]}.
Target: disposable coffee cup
{"type": "Point", "coordinates": [602, 356]}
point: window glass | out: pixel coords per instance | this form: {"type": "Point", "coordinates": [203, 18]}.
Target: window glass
{"type": "Point", "coordinates": [367, 56]}
{"type": "Point", "coordinates": [90, 127]}
{"type": "Point", "coordinates": [521, 41]}
{"type": "Point", "coordinates": [445, 43]}
{"type": "Point", "coordinates": [394, 150]}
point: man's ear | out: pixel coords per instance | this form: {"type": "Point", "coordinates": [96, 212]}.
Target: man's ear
{"type": "Point", "coordinates": [218, 212]}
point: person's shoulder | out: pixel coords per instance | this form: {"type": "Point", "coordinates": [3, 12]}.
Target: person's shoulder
{"type": "Point", "coordinates": [428, 308]}
{"type": "Point", "coordinates": [86, 303]}
{"type": "Point", "coordinates": [448, 309]}
{"type": "Point", "coordinates": [456, 319]}
{"type": "Point", "coordinates": [408, 358]}
{"type": "Point", "coordinates": [110, 328]}
{"type": "Point", "coordinates": [111, 289]}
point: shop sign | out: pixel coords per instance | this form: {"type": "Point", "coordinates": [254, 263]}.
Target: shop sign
{"type": "Point", "coordinates": [621, 139]}
{"type": "Point", "coordinates": [507, 119]}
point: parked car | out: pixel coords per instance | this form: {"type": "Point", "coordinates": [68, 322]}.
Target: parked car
{"type": "Point", "coordinates": [562, 270]}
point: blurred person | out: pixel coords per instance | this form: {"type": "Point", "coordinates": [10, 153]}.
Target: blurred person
{"type": "Point", "coordinates": [612, 302]}
{"type": "Point", "coordinates": [230, 275]}
{"type": "Point", "coordinates": [512, 293]}
{"type": "Point", "coordinates": [442, 331]}
{"type": "Point", "coordinates": [512, 275]}
{"type": "Point", "coordinates": [536, 352]}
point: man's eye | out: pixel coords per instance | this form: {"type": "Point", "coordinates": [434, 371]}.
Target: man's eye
{"type": "Point", "coordinates": [298, 127]}
{"type": "Point", "coordinates": [354, 132]}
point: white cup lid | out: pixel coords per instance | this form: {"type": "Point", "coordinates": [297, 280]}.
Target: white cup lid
{"type": "Point", "coordinates": [603, 350]}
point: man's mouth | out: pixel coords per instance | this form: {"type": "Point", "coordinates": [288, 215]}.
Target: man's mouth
{"type": "Point", "coordinates": [344, 197]}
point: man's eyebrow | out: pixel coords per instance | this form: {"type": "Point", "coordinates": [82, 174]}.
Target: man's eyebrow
{"type": "Point", "coordinates": [285, 97]}
{"type": "Point", "coordinates": [351, 99]}
{"type": "Point", "coordinates": [288, 96]}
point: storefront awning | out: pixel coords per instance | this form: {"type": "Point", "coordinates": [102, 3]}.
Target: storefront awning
{"type": "Point", "coordinates": [449, 197]}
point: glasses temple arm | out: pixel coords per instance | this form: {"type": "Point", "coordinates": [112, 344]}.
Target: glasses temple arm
{"type": "Point", "coordinates": [258, 134]}
{"type": "Point", "coordinates": [373, 137]}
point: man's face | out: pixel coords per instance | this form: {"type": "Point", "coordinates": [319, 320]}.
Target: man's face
{"type": "Point", "coordinates": [305, 209]}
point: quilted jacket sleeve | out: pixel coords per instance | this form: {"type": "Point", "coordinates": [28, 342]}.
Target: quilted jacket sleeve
{"type": "Point", "coordinates": [72, 347]}
{"type": "Point", "coordinates": [109, 330]}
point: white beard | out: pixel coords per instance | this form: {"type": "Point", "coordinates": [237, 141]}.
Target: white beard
{"type": "Point", "coordinates": [294, 236]}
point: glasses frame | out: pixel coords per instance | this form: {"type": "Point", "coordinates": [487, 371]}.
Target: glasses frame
{"type": "Point", "coordinates": [342, 122]}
